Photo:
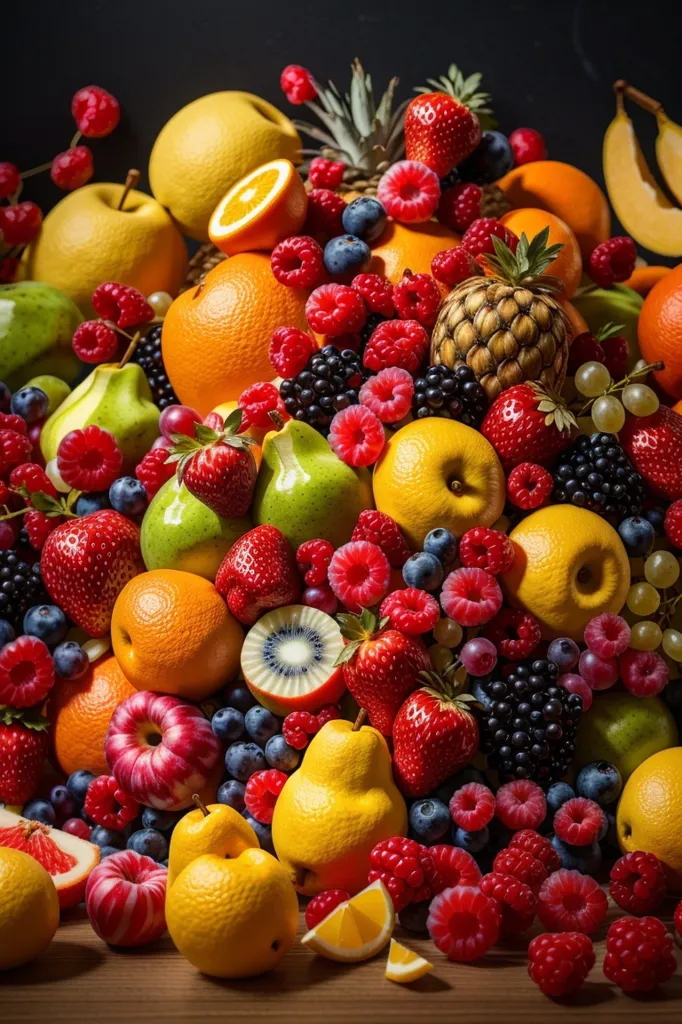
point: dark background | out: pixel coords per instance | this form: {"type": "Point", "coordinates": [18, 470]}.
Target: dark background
{"type": "Point", "coordinates": [548, 65]}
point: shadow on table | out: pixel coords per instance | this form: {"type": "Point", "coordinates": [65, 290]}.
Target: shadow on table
{"type": "Point", "coordinates": [60, 962]}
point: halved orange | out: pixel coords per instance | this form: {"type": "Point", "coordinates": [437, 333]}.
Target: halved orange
{"type": "Point", "coordinates": [267, 205]}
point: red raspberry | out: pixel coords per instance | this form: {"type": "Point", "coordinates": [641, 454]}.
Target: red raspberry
{"type": "Point", "coordinates": [38, 526]}
{"type": "Point", "coordinates": [417, 297]}
{"type": "Point", "coordinates": [464, 923]}
{"type": "Point", "coordinates": [289, 351]}
{"type": "Point", "coordinates": [672, 524]}
{"type": "Point", "coordinates": [298, 727]}
{"type": "Point", "coordinates": [515, 633]}
{"type": "Point", "coordinates": [261, 793]}
{"type": "Point", "coordinates": [89, 459]}
{"type": "Point", "coordinates": [638, 883]}
{"type": "Point", "coordinates": [522, 865]}
{"type": "Point", "coordinates": [471, 597]}
{"type": "Point", "coordinates": [26, 672]}
{"type": "Point", "coordinates": [527, 146]}
{"type": "Point", "coordinates": [330, 713]}
{"type": "Point", "coordinates": [297, 262]}
{"type": "Point", "coordinates": [452, 266]}
{"type": "Point", "coordinates": [20, 224]}
{"type": "Point", "coordinates": [9, 421]}
{"type": "Point", "coordinates": [607, 635]}
{"type": "Point", "coordinates": [95, 342]}
{"type": "Point", "coordinates": [322, 905]}
{"type": "Point", "coordinates": [377, 293]}
{"type": "Point", "coordinates": [639, 954]}
{"type": "Point", "coordinates": [124, 305]}
{"type": "Point", "coordinates": [472, 807]}
{"type": "Point", "coordinates": [389, 394]}
{"type": "Point", "coordinates": [313, 558]}
{"type": "Point", "coordinates": [380, 529]}
{"type": "Point", "coordinates": [612, 261]}
{"type": "Point", "coordinates": [529, 485]}
{"type": "Point", "coordinates": [559, 964]}
{"type": "Point", "coordinates": [517, 901]}
{"type": "Point", "coordinates": [108, 805]}
{"type": "Point", "coordinates": [95, 111]}
{"type": "Point", "coordinates": [616, 355]}
{"type": "Point", "coordinates": [335, 309]}
{"type": "Point", "coordinates": [73, 168]}
{"type": "Point", "coordinates": [153, 471]}
{"type": "Point", "coordinates": [460, 206]}
{"type": "Point", "coordinates": [409, 192]}
{"type": "Point", "coordinates": [644, 673]}
{"type": "Point", "coordinates": [539, 847]}
{"type": "Point", "coordinates": [15, 448]}
{"type": "Point", "coordinates": [402, 343]}
{"type": "Point", "coordinates": [453, 866]}
{"type": "Point", "coordinates": [8, 269]}
{"type": "Point", "coordinates": [478, 237]}
{"type": "Point", "coordinates": [323, 218]}
{"type": "Point", "coordinates": [411, 611]}
{"type": "Point", "coordinates": [579, 822]}
{"type": "Point", "coordinates": [677, 922]}
{"type": "Point", "coordinates": [31, 478]}
{"type": "Point", "coordinates": [483, 548]}
{"type": "Point", "coordinates": [257, 402]}
{"type": "Point", "coordinates": [359, 575]}
{"type": "Point", "coordinates": [521, 804]}
{"type": "Point", "coordinates": [584, 349]}
{"type": "Point", "coordinates": [10, 179]}
{"type": "Point", "coordinates": [325, 173]}
{"type": "Point", "coordinates": [356, 436]}
{"type": "Point", "coordinates": [406, 868]}
{"type": "Point", "coordinates": [297, 84]}
{"type": "Point", "coordinates": [571, 902]}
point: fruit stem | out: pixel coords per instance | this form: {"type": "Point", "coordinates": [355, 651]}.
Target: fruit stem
{"type": "Point", "coordinates": [75, 140]}
{"type": "Point", "coordinates": [36, 170]}
{"type": "Point", "coordinates": [127, 355]}
{"type": "Point", "coordinates": [457, 488]}
{"type": "Point", "coordinates": [132, 180]}
{"type": "Point", "coordinates": [639, 97]}
{"type": "Point", "coordinates": [277, 420]}
{"type": "Point", "coordinates": [620, 384]}
{"type": "Point", "coordinates": [200, 804]}
{"type": "Point", "coordinates": [359, 721]}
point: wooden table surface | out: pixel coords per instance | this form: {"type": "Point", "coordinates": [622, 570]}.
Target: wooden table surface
{"type": "Point", "coordinates": [80, 979]}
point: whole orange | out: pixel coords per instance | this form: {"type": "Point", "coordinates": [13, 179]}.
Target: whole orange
{"type": "Point", "coordinates": [79, 713]}
{"type": "Point", "coordinates": [568, 266]}
{"type": "Point", "coordinates": [659, 330]}
{"type": "Point", "coordinates": [216, 336]}
{"type": "Point", "coordinates": [172, 633]}
{"type": "Point", "coordinates": [577, 322]}
{"type": "Point", "coordinates": [409, 247]}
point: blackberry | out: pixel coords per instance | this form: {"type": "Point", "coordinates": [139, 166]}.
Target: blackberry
{"type": "Point", "coordinates": [148, 356]}
{"type": "Point", "coordinates": [451, 394]}
{"type": "Point", "coordinates": [330, 382]}
{"type": "Point", "coordinates": [528, 723]}
{"type": "Point", "coordinates": [595, 473]}
{"type": "Point", "coordinates": [20, 587]}
{"type": "Point", "coordinates": [371, 323]}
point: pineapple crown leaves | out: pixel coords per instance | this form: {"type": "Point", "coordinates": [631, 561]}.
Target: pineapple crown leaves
{"type": "Point", "coordinates": [526, 267]}
{"type": "Point", "coordinates": [465, 91]}
{"type": "Point", "coordinates": [28, 717]}
{"type": "Point", "coordinates": [552, 404]}
{"type": "Point", "coordinates": [185, 447]}
{"type": "Point", "coordinates": [356, 629]}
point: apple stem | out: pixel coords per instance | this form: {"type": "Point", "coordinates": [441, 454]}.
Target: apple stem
{"type": "Point", "coordinates": [359, 721]}
{"type": "Point", "coordinates": [457, 488]}
{"type": "Point", "coordinates": [132, 179]}
{"type": "Point", "coordinates": [200, 804]}
{"type": "Point", "coordinates": [127, 355]}
{"type": "Point", "coordinates": [277, 420]}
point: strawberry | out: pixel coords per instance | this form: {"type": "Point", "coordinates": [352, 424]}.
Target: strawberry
{"type": "Point", "coordinates": [85, 564]}
{"type": "Point", "coordinates": [258, 573]}
{"type": "Point", "coordinates": [23, 749]}
{"type": "Point", "coordinates": [528, 423]}
{"type": "Point", "coordinates": [434, 735]}
{"type": "Point", "coordinates": [653, 445]}
{"type": "Point", "coordinates": [380, 666]}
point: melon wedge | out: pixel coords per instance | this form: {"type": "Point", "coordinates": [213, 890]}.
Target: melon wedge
{"type": "Point", "coordinates": [356, 929]}
{"type": "Point", "coordinates": [669, 153]}
{"type": "Point", "coordinates": [68, 859]}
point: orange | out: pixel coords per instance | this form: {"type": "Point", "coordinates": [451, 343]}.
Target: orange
{"type": "Point", "coordinates": [644, 278]}
{"type": "Point", "coordinates": [409, 247]}
{"type": "Point", "coordinates": [659, 330]}
{"type": "Point", "coordinates": [79, 713]}
{"type": "Point", "coordinates": [216, 336]}
{"type": "Point", "coordinates": [577, 322]}
{"type": "Point", "coordinates": [565, 191]}
{"type": "Point", "coordinates": [568, 266]}
{"type": "Point", "coordinates": [678, 407]}
{"type": "Point", "coordinates": [264, 207]}
{"type": "Point", "coordinates": [172, 633]}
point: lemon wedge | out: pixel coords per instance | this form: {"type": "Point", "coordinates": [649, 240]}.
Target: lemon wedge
{"type": "Point", "coordinates": [356, 929]}
{"type": "Point", "coordinates": [404, 965]}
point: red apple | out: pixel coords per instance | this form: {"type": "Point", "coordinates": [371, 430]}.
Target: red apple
{"type": "Point", "coordinates": [160, 750]}
{"type": "Point", "coordinates": [125, 899]}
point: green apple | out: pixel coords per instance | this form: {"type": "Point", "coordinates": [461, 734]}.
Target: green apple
{"type": "Point", "coordinates": [616, 305]}
{"type": "Point", "coordinates": [56, 389]}
{"type": "Point", "coordinates": [624, 730]}
{"type": "Point", "coordinates": [37, 323]}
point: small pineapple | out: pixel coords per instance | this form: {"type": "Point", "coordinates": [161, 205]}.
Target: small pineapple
{"type": "Point", "coordinates": [508, 328]}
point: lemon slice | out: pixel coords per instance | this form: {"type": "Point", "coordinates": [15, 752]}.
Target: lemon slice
{"type": "Point", "coordinates": [404, 966]}
{"type": "Point", "coordinates": [357, 929]}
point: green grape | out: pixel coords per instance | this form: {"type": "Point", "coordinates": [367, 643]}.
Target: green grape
{"type": "Point", "coordinates": [160, 302]}
{"type": "Point", "coordinates": [448, 633]}
{"type": "Point", "coordinates": [672, 644]}
{"type": "Point", "coordinates": [640, 400]}
{"type": "Point", "coordinates": [441, 657]}
{"type": "Point", "coordinates": [608, 414]}
{"type": "Point", "coordinates": [643, 599]}
{"type": "Point", "coordinates": [662, 569]}
{"type": "Point", "coordinates": [639, 365]}
{"type": "Point", "coordinates": [645, 636]}
{"type": "Point", "coordinates": [592, 379]}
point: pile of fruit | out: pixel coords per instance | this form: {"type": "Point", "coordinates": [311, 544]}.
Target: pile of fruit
{"type": "Point", "coordinates": [350, 572]}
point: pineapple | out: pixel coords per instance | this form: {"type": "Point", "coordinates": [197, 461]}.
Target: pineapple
{"type": "Point", "coordinates": [508, 328]}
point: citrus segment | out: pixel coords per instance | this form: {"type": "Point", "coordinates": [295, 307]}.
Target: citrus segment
{"type": "Point", "coordinates": [404, 965]}
{"type": "Point", "coordinates": [357, 929]}
{"type": "Point", "coordinates": [267, 205]}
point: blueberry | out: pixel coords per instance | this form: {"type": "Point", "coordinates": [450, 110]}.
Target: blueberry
{"type": "Point", "coordinates": [107, 851]}
{"type": "Point", "coordinates": [95, 501]}
{"type": "Point", "coordinates": [413, 917]}
{"type": "Point", "coordinates": [239, 696]}
{"type": "Point", "coordinates": [558, 794]}
{"type": "Point", "coordinates": [7, 633]}
{"type": "Point", "coordinates": [365, 218]}
{"type": "Point", "coordinates": [429, 820]}
{"type": "Point", "coordinates": [30, 403]}
{"type": "Point", "coordinates": [423, 571]}
{"type": "Point", "coordinates": [261, 724]}
{"type": "Point", "coordinates": [441, 543]}
{"type": "Point", "coordinates": [228, 724]}
{"type": "Point", "coordinates": [656, 517]}
{"type": "Point", "coordinates": [478, 690]}
{"type": "Point", "coordinates": [40, 810]}
{"type": "Point", "coordinates": [5, 397]}
{"type": "Point", "coordinates": [264, 832]}
{"type": "Point", "coordinates": [472, 842]}
{"type": "Point", "coordinates": [586, 859]}
{"type": "Point", "coordinates": [346, 255]}
{"type": "Point", "coordinates": [280, 755]}
{"type": "Point", "coordinates": [491, 159]}
{"type": "Point", "coordinates": [638, 535]}
{"type": "Point", "coordinates": [70, 660]}
{"type": "Point", "coordinates": [47, 622]}
{"type": "Point", "coordinates": [162, 821]}
{"type": "Point", "coordinates": [149, 843]}
{"type": "Point", "coordinates": [243, 759]}
{"type": "Point", "coordinates": [231, 793]}
{"type": "Point", "coordinates": [63, 802]}
{"type": "Point", "coordinates": [79, 783]}
{"type": "Point", "coordinates": [599, 781]}
{"type": "Point", "coordinates": [107, 837]}
{"type": "Point", "coordinates": [128, 496]}
{"type": "Point", "coordinates": [564, 652]}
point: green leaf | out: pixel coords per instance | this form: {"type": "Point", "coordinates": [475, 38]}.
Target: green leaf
{"type": "Point", "coordinates": [232, 422]}
{"type": "Point", "coordinates": [72, 497]}
{"type": "Point", "coordinates": [348, 651]}
{"type": "Point", "coordinates": [368, 620]}
{"type": "Point", "coordinates": [205, 434]}
{"type": "Point", "coordinates": [29, 717]}
{"type": "Point", "coordinates": [609, 331]}
{"type": "Point", "coordinates": [47, 504]}
{"type": "Point", "coordinates": [183, 443]}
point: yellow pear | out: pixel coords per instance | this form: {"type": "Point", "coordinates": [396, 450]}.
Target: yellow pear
{"type": "Point", "coordinates": [217, 829]}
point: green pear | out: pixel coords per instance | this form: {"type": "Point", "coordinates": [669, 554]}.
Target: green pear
{"type": "Point", "coordinates": [305, 490]}
{"type": "Point", "coordinates": [625, 730]}
{"type": "Point", "coordinates": [37, 323]}
{"type": "Point", "coordinates": [117, 399]}
{"type": "Point", "coordinates": [180, 532]}
{"type": "Point", "coordinates": [56, 389]}
{"type": "Point", "coordinates": [616, 305]}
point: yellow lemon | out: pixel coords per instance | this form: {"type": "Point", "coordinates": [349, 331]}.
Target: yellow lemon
{"type": "Point", "coordinates": [437, 472]}
{"type": "Point", "coordinates": [217, 829]}
{"type": "Point", "coordinates": [356, 929]}
{"type": "Point", "coordinates": [569, 566]}
{"type": "Point", "coordinates": [233, 918]}
{"type": "Point", "coordinates": [649, 814]}
{"type": "Point", "coordinates": [29, 908]}
{"type": "Point", "coordinates": [404, 965]}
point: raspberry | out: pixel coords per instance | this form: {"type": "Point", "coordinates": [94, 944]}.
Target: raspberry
{"type": "Point", "coordinates": [297, 262]}
{"type": "Point", "coordinates": [516, 634]}
{"type": "Point", "coordinates": [20, 224]}
{"type": "Point", "coordinates": [464, 923]}
{"type": "Point", "coordinates": [454, 866]}
{"type": "Point", "coordinates": [483, 548]}
{"type": "Point", "coordinates": [616, 355]}
{"type": "Point", "coordinates": [677, 922]}
{"type": "Point", "coordinates": [298, 727]}
{"type": "Point", "coordinates": [380, 529]}
{"type": "Point", "coordinates": [38, 526]}
{"type": "Point", "coordinates": [330, 713]}
{"type": "Point", "coordinates": [73, 168]}
{"type": "Point", "coordinates": [108, 805]}
{"type": "Point", "coordinates": [261, 793]}
{"type": "Point", "coordinates": [417, 297]}
{"type": "Point", "coordinates": [289, 351]}
{"type": "Point", "coordinates": [10, 179]}
{"type": "Point", "coordinates": [153, 471]}
{"type": "Point", "coordinates": [638, 883]}
{"type": "Point", "coordinates": [325, 173]}
{"type": "Point", "coordinates": [313, 558]}
{"type": "Point", "coordinates": [322, 905]}
{"type": "Point", "coordinates": [124, 305]}
{"type": "Point", "coordinates": [26, 672]}
{"type": "Point", "coordinates": [607, 635]}
{"type": "Point", "coordinates": [559, 964]}
{"type": "Point", "coordinates": [30, 477]}
{"type": "Point", "coordinates": [10, 421]}
{"type": "Point", "coordinates": [672, 524]}
{"type": "Point", "coordinates": [517, 901]}
{"type": "Point", "coordinates": [639, 954]}
{"type": "Point", "coordinates": [389, 394]}
{"type": "Point", "coordinates": [529, 485]}
{"type": "Point", "coordinates": [15, 448]}
{"type": "Point", "coordinates": [356, 436]}
{"type": "Point", "coordinates": [409, 192]}
{"type": "Point", "coordinates": [452, 266]}
{"type": "Point", "coordinates": [95, 342]}
{"type": "Point", "coordinates": [472, 807]}
{"type": "Point", "coordinates": [460, 206]}
{"type": "Point", "coordinates": [335, 309]}
{"type": "Point", "coordinates": [95, 111]}
{"type": "Point", "coordinates": [359, 575]}
{"type": "Point", "coordinates": [377, 293]}
{"type": "Point", "coordinates": [402, 343]}
{"type": "Point", "coordinates": [478, 237]}
{"type": "Point", "coordinates": [257, 402]}
{"type": "Point", "coordinates": [644, 673]}
{"type": "Point", "coordinates": [471, 597]}
{"type": "Point", "coordinates": [411, 611]}
{"type": "Point", "coordinates": [539, 847]}
{"type": "Point", "coordinates": [612, 261]}
{"type": "Point", "coordinates": [521, 804]}
{"type": "Point", "coordinates": [405, 867]}
{"type": "Point", "coordinates": [89, 459]}
{"type": "Point", "coordinates": [323, 219]}
{"type": "Point", "coordinates": [527, 145]}
{"type": "Point", "coordinates": [522, 865]}
{"type": "Point", "coordinates": [584, 349]}
{"type": "Point", "coordinates": [571, 902]}
{"type": "Point", "coordinates": [579, 822]}
{"type": "Point", "coordinates": [297, 84]}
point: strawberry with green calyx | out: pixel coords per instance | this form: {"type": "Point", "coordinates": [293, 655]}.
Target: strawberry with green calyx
{"type": "Point", "coordinates": [529, 422]}
{"type": "Point", "coordinates": [23, 749]}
